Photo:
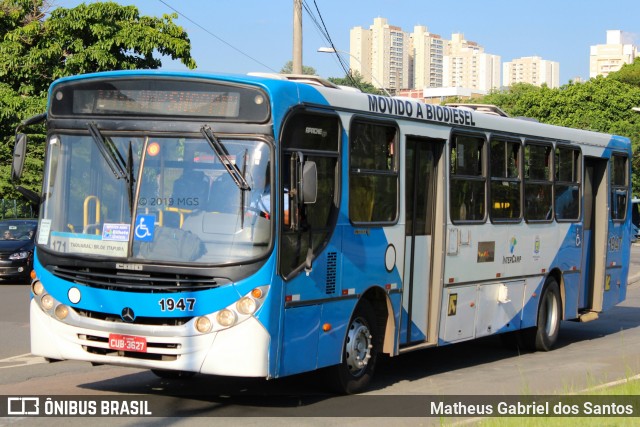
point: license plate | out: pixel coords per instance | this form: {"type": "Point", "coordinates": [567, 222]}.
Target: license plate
{"type": "Point", "coordinates": [127, 343]}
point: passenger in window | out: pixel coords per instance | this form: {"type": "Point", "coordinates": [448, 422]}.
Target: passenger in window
{"type": "Point", "coordinates": [190, 190]}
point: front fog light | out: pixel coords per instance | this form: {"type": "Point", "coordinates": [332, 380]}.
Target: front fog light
{"type": "Point", "coordinates": [47, 302]}
{"type": "Point", "coordinates": [246, 305]}
{"type": "Point", "coordinates": [226, 317]}
{"type": "Point", "coordinates": [203, 324]}
{"type": "Point", "coordinates": [61, 311]}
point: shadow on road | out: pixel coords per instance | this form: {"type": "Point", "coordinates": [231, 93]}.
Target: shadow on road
{"type": "Point", "coordinates": [226, 396]}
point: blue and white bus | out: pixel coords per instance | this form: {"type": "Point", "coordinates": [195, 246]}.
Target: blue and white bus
{"type": "Point", "coordinates": [263, 226]}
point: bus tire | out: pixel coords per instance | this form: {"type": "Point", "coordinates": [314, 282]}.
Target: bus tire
{"type": "Point", "coordinates": [172, 375]}
{"type": "Point", "coordinates": [359, 352]}
{"type": "Point", "coordinates": [544, 335]}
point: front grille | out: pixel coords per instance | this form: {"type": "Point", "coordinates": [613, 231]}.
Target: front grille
{"type": "Point", "coordinates": [147, 282]}
{"type": "Point", "coordinates": [154, 321]}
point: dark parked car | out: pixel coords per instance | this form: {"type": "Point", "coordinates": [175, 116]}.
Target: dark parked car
{"type": "Point", "coordinates": [16, 249]}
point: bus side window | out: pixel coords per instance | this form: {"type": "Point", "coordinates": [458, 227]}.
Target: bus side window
{"type": "Point", "coordinates": [307, 227]}
{"type": "Point", "coordinates": [538, 187]}
{"type": "Point", "coordinates": [468, 182]}
{"type": "Point", "coordinates": [619, 187]}
{"type": "Point", "coordinates": [506, 182]}
{"type": "Point", "coordinates": [567, 184]}
{"type": "Point", "coordinates": [373, 177]}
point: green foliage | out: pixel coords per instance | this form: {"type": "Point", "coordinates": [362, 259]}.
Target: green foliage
{"type": "Point", "coordinates": [356, 81]}
{"type": "Point", "coordinates": [288, 69]}
{"type": "Point", "coordinates": [629, 73]}
{"type": "Point", "coordinates": [35, 51]}
{"type": "Point", "coordinates": [600, 104]}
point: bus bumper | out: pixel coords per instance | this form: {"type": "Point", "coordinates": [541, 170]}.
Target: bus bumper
{"type": "Point", "coordinates": [241, 350]}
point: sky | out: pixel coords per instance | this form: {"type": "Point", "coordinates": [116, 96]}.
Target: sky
{"type": "Point", "coordinates": [256, 35]}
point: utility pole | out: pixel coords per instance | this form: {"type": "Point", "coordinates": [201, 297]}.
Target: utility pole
{"type": "Point", "coordinates": [297, 36]}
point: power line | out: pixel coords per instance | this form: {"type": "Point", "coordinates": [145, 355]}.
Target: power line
{"type": "Point", "coordinates": [324, 32]}
{"type": "Point", "coordinates": [213, 35]}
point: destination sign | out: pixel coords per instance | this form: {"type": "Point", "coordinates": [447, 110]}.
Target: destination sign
{"type": "Point", "coordinates": [159, 97]}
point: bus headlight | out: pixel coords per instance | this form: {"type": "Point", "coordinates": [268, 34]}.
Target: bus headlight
{"type": "Point", "coordinates": [37, 288]}
{"type": "Point", "coordinates": [47, 302]}
{"type": "Point", "coordinates": [61, 311]}
{"type": "Point", "coordinates": [226, 317]}
{"type": "Point", "coordinates": [203, 324]}
{"type": "Point", "coordinates": [247, 305]}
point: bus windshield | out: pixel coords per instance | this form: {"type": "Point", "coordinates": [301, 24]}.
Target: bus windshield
{"type": "Point", "coordinates": [167, 199]}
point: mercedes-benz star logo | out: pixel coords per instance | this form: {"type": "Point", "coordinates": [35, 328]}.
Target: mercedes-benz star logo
{"type": "Point", "coordinates": [128, 315]}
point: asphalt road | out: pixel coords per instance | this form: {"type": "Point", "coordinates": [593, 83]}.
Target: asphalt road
{"type": "Point", "coordinates": [586, 355]}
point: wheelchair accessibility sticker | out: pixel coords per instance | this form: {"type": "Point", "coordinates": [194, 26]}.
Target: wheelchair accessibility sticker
{"type": "Point", "coordinates": [144, 227]}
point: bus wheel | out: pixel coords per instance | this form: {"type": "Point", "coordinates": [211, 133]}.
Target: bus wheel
{"type": "Point", "coordinates": [359, 353]}
{"type": "Point", "coordinates": [544, 335]}
{"type": "Point", "coordinates": [172, 375]}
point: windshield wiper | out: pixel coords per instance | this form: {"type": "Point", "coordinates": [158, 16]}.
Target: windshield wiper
{"type": "Point", "coordinates": [109, 151]}
{"type": "Point", "coordinates": [130, 180]}
{"type": "Point", "coordinates": [223, 156]}
{"type": "Point", "coordinates": [120, 168]}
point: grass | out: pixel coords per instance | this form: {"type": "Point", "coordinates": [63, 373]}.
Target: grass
{"type": "Point", "coordinates": [627, 388]}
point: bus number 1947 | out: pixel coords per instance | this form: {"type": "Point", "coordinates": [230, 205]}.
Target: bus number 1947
{"type": "Point", "coordinates": [182, 304]}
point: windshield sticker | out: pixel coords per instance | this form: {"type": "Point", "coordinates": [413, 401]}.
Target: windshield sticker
{"type": "Point", "coordinates": [144, 228]}
{"type": "Point", "coordinates": [87, 244]}
{"type": "Point", "coordinates": [43, 231]}
{"type": "Point", "coordinates": [116, 232]}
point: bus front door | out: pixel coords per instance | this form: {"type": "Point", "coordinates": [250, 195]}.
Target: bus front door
{"type": "Point", "coordinates": [421, 158]}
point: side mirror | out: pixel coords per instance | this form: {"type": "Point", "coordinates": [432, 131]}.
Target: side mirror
{"type": "Point", "coordinates": [309, 182]}
{"type": "Point", "coordinates": [30, 195]}
{"type": "Point", "coordinates": [19, 152]}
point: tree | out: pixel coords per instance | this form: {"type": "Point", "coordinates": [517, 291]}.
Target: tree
{"type": "Point", "coordinates": [357, 81]}
{"type": "Point", "coordinates": [288, 69]}
{"type": "Point", "coordinates": [629, 73]}
{"type": "Point", "coordinates": [35, 50]}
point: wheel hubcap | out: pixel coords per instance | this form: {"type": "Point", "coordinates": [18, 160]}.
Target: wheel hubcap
{"type": "Point", "coordinates": [358, 347]}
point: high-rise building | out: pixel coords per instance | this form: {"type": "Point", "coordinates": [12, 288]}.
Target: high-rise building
{"type": "Point", "coordinates": [467, 65]}
{"type": "Point", "coordinates": [382, 53]}
{"type": "Point", "coordinates": [360, 50]}
{"type": "Point", "coordinates": [533, 70]}
{"type": "Point", "coordinates": [426, 58]}
{"type": "Point", "coordinates": [610, 57]}
{"type": "Point", "coordinates": [389, 58]}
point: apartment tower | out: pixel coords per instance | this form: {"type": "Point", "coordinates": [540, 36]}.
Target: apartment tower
{"type": "Point", "coordinates": [533, 70]}
{"type": "Point", "coordinates": [610, 57]}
